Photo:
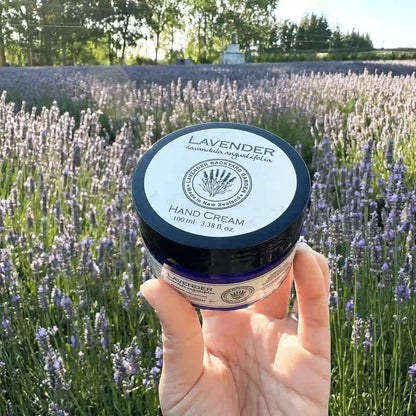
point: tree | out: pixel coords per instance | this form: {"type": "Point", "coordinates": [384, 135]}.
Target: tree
{"type": "Point", "coordinates": [253, 21]}
{"type": "Point", "coordinates": [286, 35]}
{"type": "Point", "coordinates": [70, 30]}
{"type": "Point", "coordinates": [120, 22]}
{"type": "Point", "coordinates": [313, 32]}
{"type": "Point", "coordinates": [258, 17]}
{"type": "Point", "coordinates": [355, 40]}
{"type": "Point", "coordinates": [4, 8]}
{"type": "Point", "coordinates": [174, 21]}
{"type": "Point", "coordinates": [24, 21]}
{"type": "Point", "coordinates": [203, 14]}
{"type": "Point", "coordinates": [335, 41]}
{"type": "Point", "coordinates": [163, 14]}
{"type": "Point", "coordinates": [226, 23]}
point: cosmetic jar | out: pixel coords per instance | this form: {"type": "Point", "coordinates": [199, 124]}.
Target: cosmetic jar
{"type": "Point", "coordinates": [221, 207]}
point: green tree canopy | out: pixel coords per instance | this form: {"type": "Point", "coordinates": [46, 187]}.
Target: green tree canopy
{"type": "Point", "coordinates": [355, 40]}
{"type": "Point", "coordinates": [163, 15]}
{"type": "Point", "coordinates": [335, 40]}
{"type": "Point", "coordinates": [286, 33]}
{"type": "Point", "coordinates": [313, 33]}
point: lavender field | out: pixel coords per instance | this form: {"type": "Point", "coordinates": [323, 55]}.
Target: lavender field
{"type": "Point", "coordinates": [77, 338]}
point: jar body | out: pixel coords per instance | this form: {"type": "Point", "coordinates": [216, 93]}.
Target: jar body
{"type": "Point", "coordinates": [223, 292]}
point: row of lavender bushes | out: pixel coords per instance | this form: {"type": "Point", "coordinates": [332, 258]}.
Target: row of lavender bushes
{"type": "Point", "coordinates": [76, 336]}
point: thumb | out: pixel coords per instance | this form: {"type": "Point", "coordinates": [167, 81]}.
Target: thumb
{"type": "Point", "coordinates": [183, 345]}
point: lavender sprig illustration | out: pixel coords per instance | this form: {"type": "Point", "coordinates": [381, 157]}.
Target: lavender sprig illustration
{"type": "Point", "coordinates": [238, 294]}
{"type": "Point", "coordinates": [215, 184]}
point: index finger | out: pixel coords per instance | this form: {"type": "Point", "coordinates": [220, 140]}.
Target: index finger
{"type": "Point", "coordinates": [311, 292]}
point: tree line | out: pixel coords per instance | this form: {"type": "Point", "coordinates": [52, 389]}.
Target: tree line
{"type": "Point", "coordinates": [68, 32]}
{"type": "Point", "coordinates": [313, 33]}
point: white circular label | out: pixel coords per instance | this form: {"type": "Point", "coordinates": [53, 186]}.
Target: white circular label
{"type": "Point", "coordinates": [220, 182]}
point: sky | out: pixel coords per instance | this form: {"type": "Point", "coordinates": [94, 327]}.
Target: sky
{"type": "Point", "coordinates": [390, 24]}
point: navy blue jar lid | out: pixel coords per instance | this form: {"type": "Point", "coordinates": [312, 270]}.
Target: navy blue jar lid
{"type": "Point", "coordinates": [220, 198]}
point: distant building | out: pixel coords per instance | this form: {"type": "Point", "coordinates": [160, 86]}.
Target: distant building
{"type": "Point", "coordinates": [232, 55]}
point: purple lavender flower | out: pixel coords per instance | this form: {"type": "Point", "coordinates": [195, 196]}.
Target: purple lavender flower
{"type": "Point", "coordinates": [2, 228]}
{"type": "Point", "coordinates": [127, 365]}
{"type": "Point", "coordinates": [126, 291]}
{"type": "Point", "coordinates": [357, 332]}
{"type": "Point", "coordinates": [55, 410]}
{"type": "Point", "coordinates": [159, 356]}
{"type": "Point", "coordinates": [56, 296]}
{"type": "Point", "coordinates": [154, 373]}
{"type": "Point", "coordinates": [43, 292]}
{"type": "Point", "coordinates": [68, 307]}
{"type": "Point", "coordinates": [42, 338]}
{"type": "Point", "coordinates": [348, 268]}
{"type": "Point", "coordinates": [89, 337]}
{"type": "Point", "coordinates": [401, 293]}
{"type": "Point", "coordinates": [101, 327]}
{"type": "Point", "coordinates": [147, 382]}
{"type": "Point", "coordinates": [58, 209]}
{"type": "Point", "coordinates": [333, 300]}
{"type": "Point", "coordinates": [73, 341]}
{"type": "Point", "coordinates": [6, 324]}
{"type": "Point", "coordinates": [368, 335]}
{"type": "Point", "coordinates": [412, 375]}
{"type": "Point", "coordinates": [349, 306]}
{"type": "Point", "coordinates": [5, 267]}
{"type": "Point", "coordinates": [402, 289]}
{"type": "Point", "coordinates": [55, 371]}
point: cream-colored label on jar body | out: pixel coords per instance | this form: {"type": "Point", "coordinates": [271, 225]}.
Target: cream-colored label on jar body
{"type": "Point", "coordinates": [220, 182]}
{"type": "Point", "coordinates": [222, 296]}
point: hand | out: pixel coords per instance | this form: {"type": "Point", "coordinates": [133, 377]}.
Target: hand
{"type": "Point", "coordinates": [255, 361]}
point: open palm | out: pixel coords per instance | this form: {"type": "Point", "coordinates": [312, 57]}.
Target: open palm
{"type": "Point", "coordinates": [255, 361]}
